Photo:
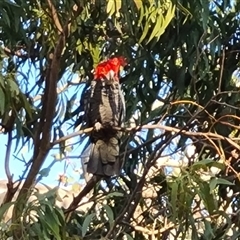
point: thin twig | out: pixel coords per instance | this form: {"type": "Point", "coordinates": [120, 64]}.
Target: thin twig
{"type": "Point", "coordinates": [193, 103]}
{"type": "Point", "coordinates": [225, 104]}
{"type": "Point", "coordinates": [221, 71]}
{"type": "Point", "coordinates": [10, 185]}
{"type": "Point", "coordinates": [75, 134]}
{"type": "Point", "coordinates": [151, 232]}
{"type": "Point", "coordinates": [17, 53]}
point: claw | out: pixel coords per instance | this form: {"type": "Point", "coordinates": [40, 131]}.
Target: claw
{"type": "Point", "coordinates": [97, 126]}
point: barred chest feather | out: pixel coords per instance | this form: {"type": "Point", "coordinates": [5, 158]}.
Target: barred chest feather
{"type": "Point", "coordinates": [106, 104]}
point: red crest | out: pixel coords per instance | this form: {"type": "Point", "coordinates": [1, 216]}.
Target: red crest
{"type": "Point", "coordinates": [113, 64]}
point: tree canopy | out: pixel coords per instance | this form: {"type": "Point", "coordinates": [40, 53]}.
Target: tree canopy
{"type": "Point", "coordinates": [180, 150]}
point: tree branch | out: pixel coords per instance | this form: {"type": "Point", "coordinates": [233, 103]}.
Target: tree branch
{"type": "Point", "coordinates": [48, 112]}
{"type": "Point", "coordinates": [221, 72]}
{"type": "Point", "coordinates": [154, 127]}
{"type": "Point", "coordinates": [150, 232]}
{"type": "Point", "coordinates": [74, 205]}
{"type": "Point", "coordinates": [55, 17]}
{"type": "Point", "coordinates": [42, 141]}
{"type": "Point", "coordinates": [75, 134]}
{"type": "Point", "coordinates": [10, 189]}
{"type": "Point", "coordinates": [17, 53]}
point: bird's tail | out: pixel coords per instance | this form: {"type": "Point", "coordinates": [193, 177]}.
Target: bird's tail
{"type": "Point", "coordinates": [104, 158]}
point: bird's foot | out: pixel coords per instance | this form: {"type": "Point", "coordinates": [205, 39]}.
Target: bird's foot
{"type": "Point", "coordinates": [97, 126]}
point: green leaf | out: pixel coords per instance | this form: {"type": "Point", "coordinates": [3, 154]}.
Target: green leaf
{"type": "Point", "coordinates": [26, 105]}
{"type": "Point", "coordinates": [109, 214]}
{"type": "Point", "coordinates": [36, 230]}
{"type": "Point", "coordinates": [115, 194]}
{"type": "Point", "coordinates": [5, 17]}
{"type": "Point", "coordinates": [157, 28]}
{"type": "Point", "coordinates": [44, 172]}
{"type": "Point", "coordinates": [53, 224]}
{"type": "Point", "coordinates": [203, 162]}
{"type": "Point", "coordinates": [86, 223]}
{"type": "Point", "coordinates": [11, 3]}
{"type": "Point", "coordinates": [129, 237]}
{"type": "Point", "coordinates": [207, 163]}
{"type": "Point", "coordinates": [142, 13]}
{"type": "Point", "coordinates": [51, 209]}
{"type": "Point", "coordinates": [205, 14]}
{"type": "Point", "coordinates": [14, 87]}
{"type": "Point", "coordinates": [207, 196]}
{"type": "Point", "coordinates": [48, 224]}
{"type": "Point", "coordinates": [111, 7]}
{"type": "Point", "coordinates": [145, 32]}
{"type": "Point", "coordinates": [218, 165]}
{"type": "Point", "coordinates": [49, 194]}
{"type": "Point", "coordinates": [208, 232]}
{"type": "Point", "coordinates": [174, 193]}
{"type": "Point", "coordinates": [2, 101]}
{"type": "Point", "coordinates": [4, 208]}
{"type": "Point", "coordinates": [60, 215]}
{"type": "Point", "coordinates": [217, 181]}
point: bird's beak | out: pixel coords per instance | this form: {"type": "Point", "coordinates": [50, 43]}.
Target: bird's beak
{"type": "Point", "coordinates": [110, 77]}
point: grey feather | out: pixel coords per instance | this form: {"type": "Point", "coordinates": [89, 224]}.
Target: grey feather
{"type": "Point", "coordinates": [105, 106]}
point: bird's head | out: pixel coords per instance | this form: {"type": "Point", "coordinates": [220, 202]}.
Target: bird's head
{"type": "Point", "coordinates": [109, 70]}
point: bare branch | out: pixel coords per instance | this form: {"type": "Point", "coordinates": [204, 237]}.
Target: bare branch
{"type": "Point", "coordinates": [42, 139]}
{"type": "Point", "coordinates": [221, 72]}
{"type": "Point", "coordinates": [17, 53]}
{"type": "Point", "coordinates": [156, 126]}
{"type": "Point", "coordinates": [59, 90]}
{"type": "Point", "coordinates": [151, 232]}
{"type": "Point", "coordinates": [10, 188]}
{"type": "Point", "coordinates": [75, 134]}
{"type": "Point", "coordinates": [55, 17]}
{"type": "Point", "coordinates": [74, 205]}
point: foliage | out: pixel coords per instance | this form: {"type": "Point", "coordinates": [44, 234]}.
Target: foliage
{"type": "Point", "coordinates": [180, 175]}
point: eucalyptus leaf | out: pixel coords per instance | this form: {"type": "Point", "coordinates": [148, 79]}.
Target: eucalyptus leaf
{"type": "Point", "coordinates": [86, 223]}
{"type": "Point", "coordinates": [110, 215]}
